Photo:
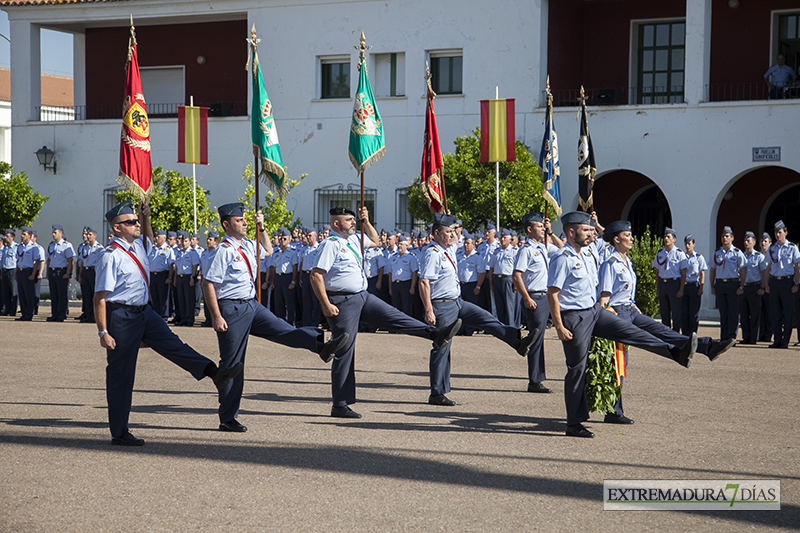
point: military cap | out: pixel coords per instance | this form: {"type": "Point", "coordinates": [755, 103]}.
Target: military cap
{"type": "Point", "coordinates": [467, 235]}
{"type": "Point", "coordinates": [423, 234]}
{"type": "Point", "coordinates": [125, 208]}
{"type": "Point", "coordinates": [402, 238]}
{"type": "Point", "coordinates": [235, 209]}
{"type": "Point", "coordinates": [85, 229]}
{"type": "Point", "coordinates": [727, 229]}
{"type": "Point", "coordinates": [618, 226]}
{"type": "Point", "coordinates": [172, 234]}
{"type": "Point", "coordinates": [514, 233]}
{"type": "Point", "coordinates": [212, 235]}
{"type": "Point", "coordinates": [161, 232]}
{"type": "Point", "coordinates": [90, 229]}
{"type": "Point", "coordinates": [780, 225]}
{"type": "Point", "coordinates": [490, 226]}
{"type": "Point", "coordinates": [195, 236]}
{"type": "Point", "coordinates": [327, 227]}
{"type": "Point", "coordinates": [766, 236]}
{"type": "Point", "coordinates": [536, 216]}
{"type": "Point", "coordinates": [58, 227]}
{"type": "Point", "coordinates": [670, 231]}
{"type": "Point", "coordinates": [749, 234]}
{"type": "Point", "coordinates": [336, 211]}
{"type": "Point", "coordinates": [459, 222]}
{"type": "Point", "coordinates": [33, 232]}
{"type": "Point", "coordinates": [444, 220]}
{"type": "Point", "coordinates": [505, 231]}
{"type": "Point", "coordinates": [688, 238]}
{"type": "Point", "coordinates": [284, 232]}
{"type": "Point", "coordinates": [10, 231]}
{"type": "Point", "coordinates": [311, 229]}
{"type": "Point", "coordinates": [184, 234]}
{"type": "Point", "coordinates": [276, 233]}
{"type": "Point", "coordinates": [575, 217]}
{"type": "Point", "coordinates": [26, 228]}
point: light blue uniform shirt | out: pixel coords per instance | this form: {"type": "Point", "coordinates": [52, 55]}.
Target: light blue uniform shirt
{"type": "Point", "coordinates": [756, 264]}
{"type": "Point", "coordinates": [470, 267]}
{"type": "Point", "coordinates": [618, 278]}
{"type": "Point", "coordinates": [604, 250]}
{"type": "Point", "coordinates": [187, 260]}
{"type": "Point", "coordinates": [266, 260]}
{"type": "Point", "coordinates": [403, 266]}
{"type": "Point", "coordinates": [783, 258]}
{"type": "Point", "coordinates": [8, 255]}
{"type": "Point", "coordinates": [342, 263]}
{"type": "Point", "coordinates": [669, 263]}
{"type": "Point", "coordinates": [487, 250]}
{"type": "Point", "coordinates": [230, 270]}
{"type": "Point", "coordinates": [694, 264]}
{"type": "Point", "coordinates": [308, 257]}
{"type": "Point", "coordinates": [532, 261]}
{"type": "Point", "coordinates": [91, 254]}
{"type": "Point", "coordinates": [727, 264]}
{"type": "Point", "coordinates": [120, 275]}
{"type": "Point", "coordinates": [438, 266]}
{"type": "Point", "coordinates": [569, 273]}
{"type": "Point", "coordinates": [283, 260]}
{"type": "Point", "coordinates": [593, 262]}
{"type": "Point", "coordinates": [59, 252]}
{"type": "Point", "coordinates": [388, 253]}
{"type": "Point", "coordinates": [161, 257]}
{"type": "Point", "coordinates": [28, 255]}
{"type": "Point", "coordinates": [208, 256]}
{"type": "Point", "coordinates": [79, 254]}
{"type": "Point", "coordinates": [780, 75]}
{"type": "Point", "coordinates": [503, 260]}
{"type": "Point", "coordinates": [374, 261]}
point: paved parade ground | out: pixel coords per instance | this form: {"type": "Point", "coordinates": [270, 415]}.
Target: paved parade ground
{"type": "Point", "coordinates": [497, 461]}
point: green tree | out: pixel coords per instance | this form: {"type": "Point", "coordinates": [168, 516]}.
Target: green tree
{"type": "Point", "coordinates": [19, 203]}
{"type": "Point", "coordinates": [470, 184]}
{"type": "Point", "coordinates": [274, 207]}
{"type": "Point", "coordinates": [171, 202]}
{"type": "Point", "coordinates": [645, 248]}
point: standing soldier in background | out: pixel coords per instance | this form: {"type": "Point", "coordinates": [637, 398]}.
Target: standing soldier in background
{"type": "Point", "coordinates": [471, 272]}
{"type": "Point", "coordinates": [186, 266]}
{"type": "Point", "coordinates": [670, 280]}
{"type": "Point", "coordinates": [284, 277]}
{"type": "Point", "coordinates": [756, 278]}
{"type": "Point", "coordinates": [172, 307]}
{"type": "Point", "coordinates": [727, 276]}
{"type": "Point", "coordinates": [60, 261]}
{"type": "Point", "coordinates": [78, 269]}
{"type": "Point", "coordinates": [765, 324]}
{"type": "Point", "coordinates": [312, 312]}
{"type": "Point", "coordinates": [8, 263]}
{"type": "Point", "coordinates": [41, 272]}
{"type": "Point", "coordinates": [90, 258]}
{"type": "Point", "coordinates": [162, 260]}
{"type": "Point", "coordinates": [205, 261]}
{"type": "Point", "coordinates": [198, 291]}
{"type": "Point", "coordinates": [696, 266]}
{"type": "Point", "coordinates": [403, 277]}
{"type": "Point", "coordinates": [29, 260]}
{"type": "Point", "coordinates": [501, 268]}
{"type": "Point", "coordinates": [784, 277]}
{"type": "Point", "coordinates": [486, 249]}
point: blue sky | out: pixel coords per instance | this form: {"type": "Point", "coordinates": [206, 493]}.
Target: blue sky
{"type": "Point", "coordinates": [56, 49]}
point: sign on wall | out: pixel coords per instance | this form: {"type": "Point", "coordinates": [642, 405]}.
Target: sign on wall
{"type": "Point", "coordinates": [772, 153]}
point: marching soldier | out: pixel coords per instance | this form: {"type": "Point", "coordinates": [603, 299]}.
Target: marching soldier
{"type": "Point", "coordinates": [756, 278]}
{"type": "Point", "coordinates": [60, 260]}
{"type": "Point", "coordinates": [727, 276]}
{"type": "Point", "coordinates": [162, 260]}
{"type": "Point", "coordinates": [670, 280]}
{"type": "Point", "coordinates": [8, 262]}
{"type": "Point", "coordinates": [784, 277]}
{"type": "Point", "coordinates": [284, 277]}
{"type": "Point", "coordinates": [125, 319]}
{"type": "Point", "coordinates": [341, 286]}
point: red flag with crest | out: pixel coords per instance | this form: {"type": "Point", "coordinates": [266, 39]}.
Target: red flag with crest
{"type": "Point", "coordinates": [431, 176]}
{"type": "Point", "coordinates": [135, 170]}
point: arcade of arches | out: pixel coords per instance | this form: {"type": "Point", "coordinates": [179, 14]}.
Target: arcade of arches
{"type": "Point", "coordinates": [634, 196]}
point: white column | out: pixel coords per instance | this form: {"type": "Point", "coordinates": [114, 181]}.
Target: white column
{"type": "Point", "coordinates": [79, 73]}
{"type": "Point", "coordinates": [542, 9]}
{"type": "Point", "coordinates": [698, 51]}
{"type": "Point", "coordinates": [25, 71]}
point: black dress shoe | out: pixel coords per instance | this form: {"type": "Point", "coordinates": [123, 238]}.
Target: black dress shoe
{"type": "Point", "coordinates": [232, 426]}
{"type": "Point", "coordinates": [614, 418]}
{"type": "Point", "coordinates": [538, 387]}
{"type": "Point", "coordinates": [524, 344]}
{"type": "Point", "coordinates": [343, 412]}
{"type": "Point", "coordinates": [796, 344]}
{"type": "Point", "coordinates": [225, 375]}
{"type": "Point", "coordinates": [578, 430]}
{"type": "Point", "coordinates": [127, 440]}
{"type": "Point", "coordinates": [23, 319]}
{"type": "Point", "coordinates": [206, 324]}
{"type": "Point", "coordinates": [687, 351]}
{"type": "Point", "coordinates": [775, 345]}
{"type": "Point", "coordinates": [330, 348]}
{"type": "Point", "coordinates": [440, 399]}
{"type": "Point", "coordinates": [443, 335]}
{"type": "Point", "coordinates": [50, 319]}
{"type": "Point", "coordinates": [718, 348]}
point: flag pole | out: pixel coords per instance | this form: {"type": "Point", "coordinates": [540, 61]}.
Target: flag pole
{"type": "Point", "coordinates": [253, 45]}
{"type": "Point", "coordinates": [497, 174]}
{"type": "Point", "coordinates": [362, 222]}
{"type": "Point", "coordinates": [194, 178]}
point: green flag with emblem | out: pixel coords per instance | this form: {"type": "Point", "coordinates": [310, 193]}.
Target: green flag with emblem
{"type": "Point", "coordinates": [264, 132]}
{"type": "Point", "coordinates": [367, 143]}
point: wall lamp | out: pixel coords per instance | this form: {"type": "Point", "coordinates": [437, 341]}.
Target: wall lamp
{"type": "Point", "coordinates": [45, 157]}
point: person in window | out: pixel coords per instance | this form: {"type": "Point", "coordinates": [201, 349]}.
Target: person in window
{"type": "Point", "coordinates": [777, 77]}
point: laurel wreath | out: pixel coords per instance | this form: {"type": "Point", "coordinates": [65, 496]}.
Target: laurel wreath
{"type": "Point", "coordinates": [135, 143]}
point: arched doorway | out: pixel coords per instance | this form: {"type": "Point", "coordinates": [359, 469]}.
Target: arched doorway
{"type": "Point", "coordinates": [629, 195]}
{"type": "Point", "coordinates": [758, 199]}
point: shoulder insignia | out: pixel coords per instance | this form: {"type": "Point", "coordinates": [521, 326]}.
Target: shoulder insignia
{"type": "Point", "coordinates": [226, 244]}
{"type": "Point", "coordinates": [612, 260]}
{"type": "Point", "coordinates": [110, 249]}
{"type": "Point", "coordinates": [699, 255]}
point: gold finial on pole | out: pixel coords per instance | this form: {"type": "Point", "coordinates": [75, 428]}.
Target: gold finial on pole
{"type": "Point", "coordinates": [362, 50]}
{"type": "Point", "coordinates": [428, 80]}
{"type": "Point", "coordinates": [252, 41]}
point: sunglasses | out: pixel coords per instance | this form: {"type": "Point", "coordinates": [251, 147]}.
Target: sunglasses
{"type": "Point", "coordinates": [130, 222]}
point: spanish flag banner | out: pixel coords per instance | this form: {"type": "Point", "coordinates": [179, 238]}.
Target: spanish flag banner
{"type": "Point", "coordinates": [497, 130]}
{"type": "Point", "coordinates": [135, 170]}
{"type": "Point", "coordinates": [193, 135]}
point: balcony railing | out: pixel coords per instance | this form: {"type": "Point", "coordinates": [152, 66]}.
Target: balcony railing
{"type": "Point", "coordinates": [114, 111]}
{"type": "Point", "coordinates": [617, 96]}
{"type": "Point", "coordinates": [752, 90]}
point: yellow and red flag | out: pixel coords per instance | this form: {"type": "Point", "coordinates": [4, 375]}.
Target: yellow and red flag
{"type": "Point", "coordinates": [192, 134]}
{"type": "Point", "coordinates": [497, 130]}
{"type": "Point", "coordinates": [135, 170]}
{"type": "Point", "coordinates": [431, 176]}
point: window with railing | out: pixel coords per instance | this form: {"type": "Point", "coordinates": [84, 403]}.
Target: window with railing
{"type": "Point", "coordinates": [403, 219]}
{"type": "Point", "coordinates": [660, 62]}
{"type": "Point", "coordinates": [338, 195]}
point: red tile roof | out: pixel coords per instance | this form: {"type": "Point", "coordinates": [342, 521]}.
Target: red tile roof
{"type": "Point", "coordinates": [56, 90]}
{"type": "Point", "coordinates": [50, 2]}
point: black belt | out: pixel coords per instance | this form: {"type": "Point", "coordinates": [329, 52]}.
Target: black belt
{"type": "Point", "coordinates": [727, 280]}
{"type": "Point", "coordinates": [400, 280]}
{"type": "Point", "coordinates": [9, 269]}
{"type": "Point", "coordinates": [125, 306]}
{"type": "Point", "coordinates": [626, 307]}
{"type": "Point", "coordinates": [780, 277]}
{"type": "Point", "coordinates": [183, 275]}
{"type": "Point", "coordinates": [692, 283]}
{"type": "Point", "coordinates": [287, 274]}
{"type": "Point", "coordinates": [88, 268]}
{"type": "Point", "coordinates": [536, 293]}
{"type": "Point", "coordinates": [442, 300]}
{"type": "Point", "coordinates": [669, 279]}
{"type": "Point", "coordinates": [752, 283]}
{"type": "Point", "coordinates": [306, 271]}
{"type": "Point", "coordinates": [502, 275]}
{"type": "Point", "coordinates": [340, 293]}
{"type": "Point", "coordinates": [58, 268]}
{"type": "Point", "coordinates": [156, 271]}
{"type": "Point", "coordinates": [234, 301]}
